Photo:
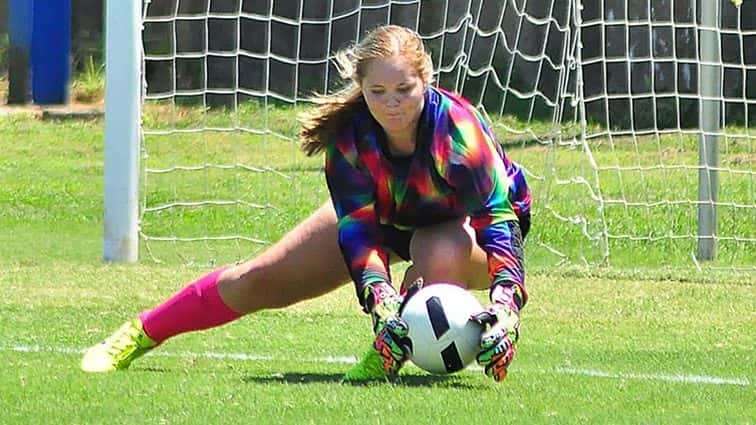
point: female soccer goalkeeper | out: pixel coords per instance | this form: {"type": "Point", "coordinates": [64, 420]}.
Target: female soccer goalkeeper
{"type": "Point", "coordinates": [414, 173]}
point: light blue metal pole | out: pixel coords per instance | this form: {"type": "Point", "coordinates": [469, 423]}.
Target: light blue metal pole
{"type": "Point", "coordinates": [123, 42]}
{"type": "Point", "coordinates": [710, 92]}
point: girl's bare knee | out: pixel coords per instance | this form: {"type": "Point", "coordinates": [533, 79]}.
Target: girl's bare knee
{"type": "Point", "coordinates": [449, 253]}
{"type": "Point", "coordinates": [440, 261]}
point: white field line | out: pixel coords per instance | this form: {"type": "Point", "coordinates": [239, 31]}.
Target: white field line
{"type": "Point", "coordinates": [595, 373]}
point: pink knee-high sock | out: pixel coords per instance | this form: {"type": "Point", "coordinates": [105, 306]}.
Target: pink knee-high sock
{"type": "Point", "coordinates": [198, 306]}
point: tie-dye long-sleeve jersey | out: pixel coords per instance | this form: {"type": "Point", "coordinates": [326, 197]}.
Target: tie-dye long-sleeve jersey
{"type": "Point", "coordinates": [458, 169]}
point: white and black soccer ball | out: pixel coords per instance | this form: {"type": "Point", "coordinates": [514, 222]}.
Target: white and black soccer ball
{"type": "Point", "coordinates": [442, 336]}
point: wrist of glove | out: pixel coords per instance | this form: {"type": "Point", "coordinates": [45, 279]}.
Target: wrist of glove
{"type": "Point", "coordinates": [383, 304]}
{"type": "Point", "coordinates": [498, 343]}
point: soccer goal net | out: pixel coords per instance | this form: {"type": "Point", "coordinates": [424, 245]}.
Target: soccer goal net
{"type": "Point", "coordinates": [635, 120]}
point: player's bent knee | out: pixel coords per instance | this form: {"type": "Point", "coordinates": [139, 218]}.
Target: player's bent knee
{"type": "Point", "coordinates": [440, 259]}
{"type": "Point", "coordinates": [448, 253]}
{"type": "Point", "coordinates": [441, 244]}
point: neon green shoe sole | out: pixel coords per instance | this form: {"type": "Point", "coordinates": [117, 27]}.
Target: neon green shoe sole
{"type": "Point", "coordinates": [117, 352]}
{"type": "Point", "coordinates": [370, 368]}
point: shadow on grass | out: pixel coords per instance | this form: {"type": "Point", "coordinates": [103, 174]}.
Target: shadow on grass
{"type": "Point", "coordinates": [336, 378]}
{"type": "Point", "coordinates": [146, 369]}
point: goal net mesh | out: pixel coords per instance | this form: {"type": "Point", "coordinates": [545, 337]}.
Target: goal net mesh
{"type": "Point", "coordinates": [601, 101]}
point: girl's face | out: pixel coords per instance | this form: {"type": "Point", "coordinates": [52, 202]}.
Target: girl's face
{"type": "Point", "coordinates": [395, 95]}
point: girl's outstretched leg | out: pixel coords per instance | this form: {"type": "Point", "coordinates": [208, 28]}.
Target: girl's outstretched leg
{"type": "Point", "coordinates": [198, 306]}
{"type": "Point", "coordinates": [304, 264]}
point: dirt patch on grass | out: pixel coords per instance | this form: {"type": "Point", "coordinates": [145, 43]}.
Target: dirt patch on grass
{"type": "Point", "coordinates": [66, 111]}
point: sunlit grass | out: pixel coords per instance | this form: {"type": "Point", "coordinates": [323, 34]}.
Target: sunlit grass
{"type": "Point", "coordinates": [641, 344]}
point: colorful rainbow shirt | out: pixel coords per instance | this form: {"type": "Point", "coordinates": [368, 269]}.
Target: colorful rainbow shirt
{"type": "Point", "coordinates": [458, 169]}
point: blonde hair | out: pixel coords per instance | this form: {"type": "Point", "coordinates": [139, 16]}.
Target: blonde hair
{"type": "Point", "coordinates": [321, 125]}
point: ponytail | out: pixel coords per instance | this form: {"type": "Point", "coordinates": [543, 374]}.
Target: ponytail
{"type": "Point", "coordinates": [333, 112]}
{"type": "Point", "coordinates": [321, 125]}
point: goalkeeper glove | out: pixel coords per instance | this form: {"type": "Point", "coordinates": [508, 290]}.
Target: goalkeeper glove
{"type": "Point", "coordinates": [391, 331]}
{"type": "Point", "coordinates": [381, 302]}
{"type": "Point", "coordinates": [498, 342]}
{"type": "Point", "coordinates": [392, 344]}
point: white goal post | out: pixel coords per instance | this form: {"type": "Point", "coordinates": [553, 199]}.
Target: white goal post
{"type": "Point", "coordinates": [634, 119]}
{"type": "Point", "coordinates": [123, 56]}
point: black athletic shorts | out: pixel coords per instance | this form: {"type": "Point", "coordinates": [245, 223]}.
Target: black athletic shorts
{"type": "Point", "coordinates": [399, 240]}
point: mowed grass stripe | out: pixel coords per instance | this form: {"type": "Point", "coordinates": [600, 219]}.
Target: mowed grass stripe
{"type": "Point", "coordinates": [349, 360]}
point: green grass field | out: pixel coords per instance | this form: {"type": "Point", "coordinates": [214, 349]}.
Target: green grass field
{"type": "Point", "coordinates": [597, 347]}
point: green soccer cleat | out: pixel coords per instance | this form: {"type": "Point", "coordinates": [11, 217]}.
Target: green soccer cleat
{"type": "Point", "coordinates": [370, 368]}
{"type": "Point", "coordinates": [119, 350]}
